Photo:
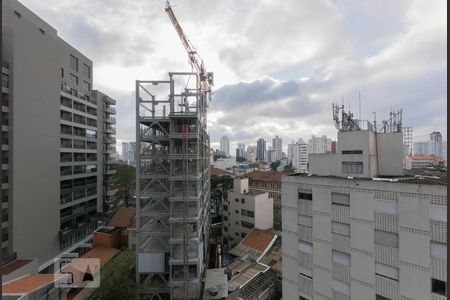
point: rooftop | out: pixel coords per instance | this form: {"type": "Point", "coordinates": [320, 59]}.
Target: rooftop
{"type": "Point", "coordinates": [14, 266]}
{"type": "Point", "coordinates": [102, 253]}
{"type": "Point", "coordinates": [273, 257]}
{"type": "Point", "coordinates": [220, 172]}
{"type": "Point", "coordinates": [265, 176]}
{"type": "Point", "coordinates": [216, 278]}
{"type": "Point", "coordinates": [254, 244]}
{"type": "Point", "coordinates": [427, 157]}
{"type": "Point", "coordinates": [123, 217]}
{"type": "Point", "coordinates": [30, 283]}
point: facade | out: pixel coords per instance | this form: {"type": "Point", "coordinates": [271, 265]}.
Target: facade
{"type": "Point", "coordinates": [240, 151]}
{"type": "Point", "coordinates": [421, 148]}
{"type": "Point", "coordinates": [320, 144]}
{"type": "Point", "coordinates": [251, 153]}
{"type": "Point", "coordinates": [52, 143]}
{"type": "Point", "coordinates": [244, 210]}
{"type": "Point", "coordinates": [261, 149]}
{"type": "Point", "coordinates": [436, 143]}
{"type": "Point", "coordinates": [266, 181]}
{"type": "Point", "coordinates": [271, 155]}
{"type": "Point", "coordinates": [434, 146]}
{"type": "Point", "coordinates": [128, 152]}
{"type": "Point", "coordinates": [422, 161]}
{"type": "Point", "coordinates": [277, 145]}
{"type": "Point", "coordinates": [349, 234]}
{"type": "Point", "coordinates": [172, 187]}
{"type": "Point", "coordinates": [298, 155]}
{"type": "Point", "coordinates": [225, 146]}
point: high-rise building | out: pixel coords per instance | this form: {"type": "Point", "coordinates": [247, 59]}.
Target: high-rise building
{"type": "Point", "coordinates": [53, 136]}
{"type": "Point", "coordinates": [357, 228]}
{"type": "Point", "coordinates": [240, 151]}
{"type": "Point", "coordinates": [251, 153]}
{"type": "Point", "coordinates": [436, 143]}
{"type": "Point", "coordinates": [319, 144]}
{"type": "Point", "coordinates": [421, 148]}
{"type": "Point", "coordinates": [128, 152]}
{"type": "Point", "coordinates": [172, 188]}
{"type": "Point", "coordinates": [277, 145]}
{"type": "Point", "coordinates": [225, 146]}
{"type": "Point", "coordinates": [261, 149]}
{"type": "Point", "coordinates": [298, 155]}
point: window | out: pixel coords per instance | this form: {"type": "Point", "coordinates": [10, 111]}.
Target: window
{"type": "Point", "coordinates": [62, 73]}
{"type": "Point", "coordinates": [247, 213]}
{"type": "Point", "coordinates": [91, 168]}
{"type": "Point", "coordinates": [236, 211]}
{"type": "Point", "coordinates": [305, 196]}
{"type": "Point", "coordinates": [340, 228]}
{"type": "Point", "coordinates": [386, 271]}
{"type": "Point", "coordinates": [341, 258]}
{"type": "Point", "coordinates": [91, 134]}
{"type": "Point", "coordinates": [247, 225]}
{"type": "Point", "coordinates": [386, 206]}
{"type": "Point", "coordinates": [5, 80]}
{"type": "Point", "coordinates": [340, 199]}
{"type": "Point", "coordinates": [17, 14]}
{"type": "Point", "coordinates": [305, 221]}
{"type": "Point", "coordinates": [438, 287]}
{"type": "Point", "coordinates": [225, 229]}
{"type": "Point", "coordinates": [379, 297]}
{"type": "Point", "coordinates": [386, 238]}
{"type": "Point", "coordinates": [242, 200]}
{"type": "Point", "coordinates": [352, 167]}
{"type": "Point", "coordinates": [236, 234]}
{"type": "Point", "coordinates": [86, 85]}
{"type": "Point", "coordinates": [438, 250]}
{"type": "Point", "coordinates": [236, 200]}
{"type": "Point", "coordinates": [305, 247]}
{"type": "Point", "coordinates": [352, 152]}
{"type": "Point", "coordinates": [225, 218]}
{"type": "Point", "coordinates": [243, 234]}
{"type": "Point", "coordinates": [74, 63]}
{"type": "Point", "coordinates": [225, 207]}
{"type": "Point", "coordinates": [73, 78]}
{"type": "Point", "coordinates": [87, 71]}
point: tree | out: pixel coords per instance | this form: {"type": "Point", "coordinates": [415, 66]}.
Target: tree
{"type": "Point", "coordinates": [288, 168]}
{"type": "Point", "coordinates": [126, 182]}
{"type": "Point", "coordinates": [277, 217]}
{"type": "Point", "coordinates": [220, 185]}
{"type": "Point", "coordinates": [240, 159]}
{"type": "Point", "coordinates": [274, 165]}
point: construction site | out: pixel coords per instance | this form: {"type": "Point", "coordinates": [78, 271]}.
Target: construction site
{"type": "Point", "coordinates": [172, 180]}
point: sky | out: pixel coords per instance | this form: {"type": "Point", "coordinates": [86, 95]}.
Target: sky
{"type": "Point", "coordinates": [278, 65]}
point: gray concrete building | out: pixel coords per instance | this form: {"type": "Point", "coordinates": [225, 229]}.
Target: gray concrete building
{"type": "Point", "coordinates": [357, 228]}
{"type": "Point", "coordinates": [52, 145]}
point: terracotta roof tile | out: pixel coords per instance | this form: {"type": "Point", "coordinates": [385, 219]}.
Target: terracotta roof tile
{"type": "Point", "coordinates": [421, 156]}
{"type": "Point", "coordinates": [29, 283]}
{"type": "Point", "coordinates": [220, 172]}
{"type": "Point", "coordinates": [14, 265]}
{"type": "Point", "coordinates": [102, 253]}
{"type": "Point", "coordinates": [258, 239]}
{"type": "Point", "coordinates": [123, 217]}
{"type": "Point", "coordinates": [265, 176]}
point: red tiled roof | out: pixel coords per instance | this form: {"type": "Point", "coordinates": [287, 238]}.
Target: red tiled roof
{"type": "Point", "coordinates": [427, 157]}
{"type": "Point", "coordinates": [13, 266]}
{"type": "Point", "coordinates": [102, 253]}
{"type": "Point", "coordinates": [272, 176]}
{"type": "Point", "coordinates": [220, 172]}
{"type": "Point", "coordinates": [258, 239]}
{"type": "Point", "coordinates": [29, 283]}
{"type": "Point", "coordinates": [123, 217]}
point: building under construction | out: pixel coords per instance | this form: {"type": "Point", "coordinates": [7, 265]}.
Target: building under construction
{"type": "Point", "coordinates": [172, 187]}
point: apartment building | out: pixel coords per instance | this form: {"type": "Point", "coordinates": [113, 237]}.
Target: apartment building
{"type": "Point", "coordinates": [298, 155]}
{"type": "Point", "coordinates": [128, 152]}
{"type": "Point", "coordinates": [277, 145]}
{"type": "Point", "coordinates": [245, 210]}
{"type": "Point", "coordinates": [266, 181]}
{"type": "Point", "coordinates": [357, 228]}
{"type": "Point", "coordinates": [319, 144]}
{"type": "Point", "coordinates": [52, 145]}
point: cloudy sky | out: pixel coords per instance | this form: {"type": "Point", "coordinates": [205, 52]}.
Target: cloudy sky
{"type": "Point", "coordinates": [278, 65]}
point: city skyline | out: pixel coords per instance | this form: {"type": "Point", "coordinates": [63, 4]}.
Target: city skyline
{"type": "Point", "coordinates": [368, 52]}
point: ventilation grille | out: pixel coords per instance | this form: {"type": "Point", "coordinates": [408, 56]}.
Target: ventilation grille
{"type": "Point", "coordinates": [439, 268]}
{"type": "Point", "coordinates": [386, 255]}
{"type": "Point", "coordinates": [305, 260]}
{"type": "Point", "coordinates": [305, 207]}
{"type": "Point", "coordinates": [341, 243]}
{"type": "Point", "coordinates": [340, 296]}
{"type": "Point", "coordinates": [340, 214]}
{"type": "Point", "coordinates": [305, 233]}
{"type": "Point", "coordinates": [341, 273]}
{"type": "Point", "coordinates": [438, 231]}
{"type": "Point", "coordinates": [386, 222]}
{"type": "Point", "coordinates": [386, 287]}
{"type": "Point", "coordinates": [305, 285]}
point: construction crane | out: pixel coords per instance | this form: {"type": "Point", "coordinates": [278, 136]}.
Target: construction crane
{"type": "Point", "coordinates": [206, 78]}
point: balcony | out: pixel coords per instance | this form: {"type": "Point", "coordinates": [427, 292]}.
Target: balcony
{"type": "Point", "coordinates": [74, 93]}
{"type": "Point", "coordinates": [110, 110]}
{"type": "Point", "coordinates": [110, 120]}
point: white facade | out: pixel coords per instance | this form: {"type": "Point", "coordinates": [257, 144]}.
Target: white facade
{"type": "Point", "coordinates": [244, 211]}
{"type": "Point", "coordinates": [355, 239]}
{"type": "Point", "coordinates": [319, 144]}
{"type": "Point", "coordinates": [251, 153]}
{"type": "Point", "coordinates": [277, 145]}
{"type": "Point", "coordinates": [240, 151]}
{"type": "Point", "coordinates": [225, 145]}
{"type": "Point", "coordinates": [128, 152]}
{"type": "Point", "coordinates": [298, 155]}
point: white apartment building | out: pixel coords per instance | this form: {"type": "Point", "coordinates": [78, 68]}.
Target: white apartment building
{"type": "Point", "coordinates": [320, 144]}
{"type": "Point", "coordinates": [55, 164]}
{"type": "Point", "coordinates": [128, 152]}
{"type": "Point", "coordinates": [251, 153]}
{"type": "Point", "coordinates": [277, 145]}
{"type": "Point", "coordinates": [348, 234]}
{"type": "Point", "coordinates": [298, 155]}
{"type": "Point", "coordinates": [244, 211]}
{"type": "Point", "coordinates": [225, 145]}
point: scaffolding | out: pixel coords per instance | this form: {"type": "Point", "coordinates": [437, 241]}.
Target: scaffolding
{"type": "Point", "coordinates": [172, 187]}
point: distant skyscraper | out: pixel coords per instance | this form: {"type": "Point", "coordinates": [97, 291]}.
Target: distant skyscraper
{"type": "Point", "coordinates": [436, 143]}
{"type": "Point", "coordinates": [260, 149]}
{"type": "Point", "coordinates": [319, 144]}
{"type": "Point", "coordinates": [421, 148]}
{"type": "Point", "coordinates": [251, 153]}
{"type": "Point", "coordinates": [240, 151]}
{"type": "Point", "coordinates": [225, 145]}
{"type": "Point", "coordinates": [277, 145]}
{"type": "Point", "coordinates": [128, 152]}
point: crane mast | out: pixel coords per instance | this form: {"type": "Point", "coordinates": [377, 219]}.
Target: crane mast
{"type": "Point", "coordinates": [206, 80]}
